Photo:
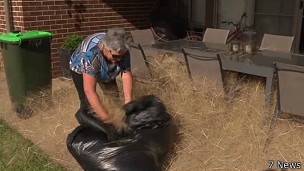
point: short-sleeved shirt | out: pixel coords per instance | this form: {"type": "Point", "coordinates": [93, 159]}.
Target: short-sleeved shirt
{"type": "Point", "coordinates": [89, 59]}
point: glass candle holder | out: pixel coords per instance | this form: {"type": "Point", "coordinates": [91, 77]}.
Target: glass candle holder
{"type": "Point", "coordinates": [250, 42]}
{"type": "Point", "coordinates": [235, 46]}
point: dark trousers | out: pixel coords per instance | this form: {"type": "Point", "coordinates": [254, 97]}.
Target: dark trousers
{"type": "Point", "coordinates": [109, 89]}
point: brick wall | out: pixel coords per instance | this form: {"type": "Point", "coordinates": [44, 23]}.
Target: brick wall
{"type": "Point", "coordinates": [17, 15]}
{"type": "Point", "coordinates": [84, 17]}
{"type": "Point", "coordinates": [2, 20]}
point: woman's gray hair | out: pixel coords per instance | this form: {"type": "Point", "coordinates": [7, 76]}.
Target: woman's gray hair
{"type": "Point", "coordinates": [115, 39]}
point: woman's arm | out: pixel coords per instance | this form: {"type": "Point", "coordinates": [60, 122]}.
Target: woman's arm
{"type": "Point", "coordinates": [89, 85]}
{"type": "Point", "coordinates": [127, 83]}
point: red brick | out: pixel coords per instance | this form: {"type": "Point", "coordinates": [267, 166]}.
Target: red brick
{"type": "Point", "coordinates": [55, 45]}
{"type": "Point", "coordinates": [46, 2]}
{"type": "Point", "coordinates": [55, 17]}
{"type": "Point", "coordinates": [29, 18]}
{"type": "Point", "coordinates": [50, 22]}
{"type": "Point", "coordinates": [56, 26]}
{"type": "Point", "coordinates": [61, 21]}
{"type": "Point", "coordinates": [49, 12]}
{"type": "Point", "coordinates": [55, 58]}
{"type": "Point", "coordinates": [60, 3]}
{"type": "Point", "coordinates": [33, 13]}
{"type": "Point", "coordinates": [61, 31]}
{"type": "Point", "coordinates": [43, 17]}
{"type": "Point", "coordinates": [32, 3]}
{"type": "Point", "coordinates": [35, 23]}
{"type": "Point", "coordinates": [41, 8]}
{"type": "Point", "coordinates": [56, 74]}
{"type": "Point", "coordinates": [17, 13]}
{"type": "Point", "coordinates": [16, 3]}
{"type": "Point", "coordinates": [18, 19]}
{"type": "Point", "coordinates": [60, 12]}
{"type": "Point", "coordinates": [66, 16]}
{"type": "Point", "coordinates": [45, 28]}
{"type": "Point", "coordinates": [16, 8]}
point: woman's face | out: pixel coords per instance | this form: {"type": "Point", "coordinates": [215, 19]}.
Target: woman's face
{"type": "Point", "coordinates": [112, 55]}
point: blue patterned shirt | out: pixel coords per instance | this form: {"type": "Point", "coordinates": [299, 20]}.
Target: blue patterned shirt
{"type": "Point", "coordinates": [88, 59]}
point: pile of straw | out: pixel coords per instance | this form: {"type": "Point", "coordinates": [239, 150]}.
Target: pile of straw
{"type": "Point", "coordinates": [214, 133]}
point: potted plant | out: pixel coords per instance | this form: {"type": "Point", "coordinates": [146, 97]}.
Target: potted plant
{"type": "Point", "coordinates": [65, 52]}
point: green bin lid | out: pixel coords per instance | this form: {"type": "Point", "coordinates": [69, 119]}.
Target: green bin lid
{"type": "Point", "coordinates": [17, 38]}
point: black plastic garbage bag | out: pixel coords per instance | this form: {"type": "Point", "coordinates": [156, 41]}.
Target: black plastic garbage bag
{"type": "Point", "coordinates": [87, 119]}
{"type": "Point", "coordinates": [144, 147]}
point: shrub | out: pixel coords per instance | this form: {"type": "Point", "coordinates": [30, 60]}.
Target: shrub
{"type": "Point", "coordinates": [72, 42]}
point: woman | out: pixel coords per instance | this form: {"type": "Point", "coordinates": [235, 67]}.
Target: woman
{"type": "Point", "coordinates": [99, 59]}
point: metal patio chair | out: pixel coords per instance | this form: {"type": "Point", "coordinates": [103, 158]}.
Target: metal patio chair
{"type": "Point", "coordinates": [215, 36]}
{"type": "Point", "coordinates": [143, 37]}
{"type": "Point", "coordinates": [277, 43]}
{"type": "Point", "coordinates": [290, 95]}
{"type": "Point", "coordinates": [139, 64]}
{"type": "Point", "coordinates": [200, 66]}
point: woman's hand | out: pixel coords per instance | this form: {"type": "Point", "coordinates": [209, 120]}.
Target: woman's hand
{"type": "Point", "coordinates": [127, 83]}
{"type": "Point", "coordinates": [118, 120]}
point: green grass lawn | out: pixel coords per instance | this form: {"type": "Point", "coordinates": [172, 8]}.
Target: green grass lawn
{"type": "Point", "coordinates": [18, 153]}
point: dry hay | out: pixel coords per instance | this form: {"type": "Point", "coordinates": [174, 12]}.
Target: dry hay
{"type": "Point", "coordinates": [217, 134]}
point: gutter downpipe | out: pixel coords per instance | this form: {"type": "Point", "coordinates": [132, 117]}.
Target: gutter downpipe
{"type": "Point", "coordinates": [8, 17]}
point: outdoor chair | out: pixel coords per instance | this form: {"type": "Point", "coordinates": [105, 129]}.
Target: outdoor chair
{"type": "Point", "coordinates": [215, 36]}
{"type": "Point", "coordinates": [147, 37]}
{"type": "Point", "coordinates": [139, 64]}
{"type": "Point", "coordinates": [194, 35]}
{"type": "Point", "coordinates": [161, 37]}
{"type": "Point", "coordinates": [277, 43]}
{"type": "Point", "coordinates": [143, 37]}
{"type": "Point", "coordinates": [290, 94]}
{"type": "Point", "coordinates": [198, 66]}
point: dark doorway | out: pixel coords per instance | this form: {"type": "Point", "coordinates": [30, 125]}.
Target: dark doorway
{"type": "Point", "coordinates": [170, 19]}
{"type": "Point", "coordinates": [301, 18]}
{"type": "Point", "coordinates": [281, 17]}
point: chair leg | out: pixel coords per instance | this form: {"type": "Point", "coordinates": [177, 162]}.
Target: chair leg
{"type": "Point", "coordinates": [269, 90]}
{"type": "Point", "coordinates": [187, 64]}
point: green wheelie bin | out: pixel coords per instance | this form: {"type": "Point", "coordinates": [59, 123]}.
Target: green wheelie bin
{"type": "Point", "coordinates": [27, 63]}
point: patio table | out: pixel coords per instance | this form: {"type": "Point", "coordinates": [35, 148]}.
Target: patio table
{"type": "Point", "coordinates": [257, 64]}
{"type": "Point", "coordinates": [177, 45]}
